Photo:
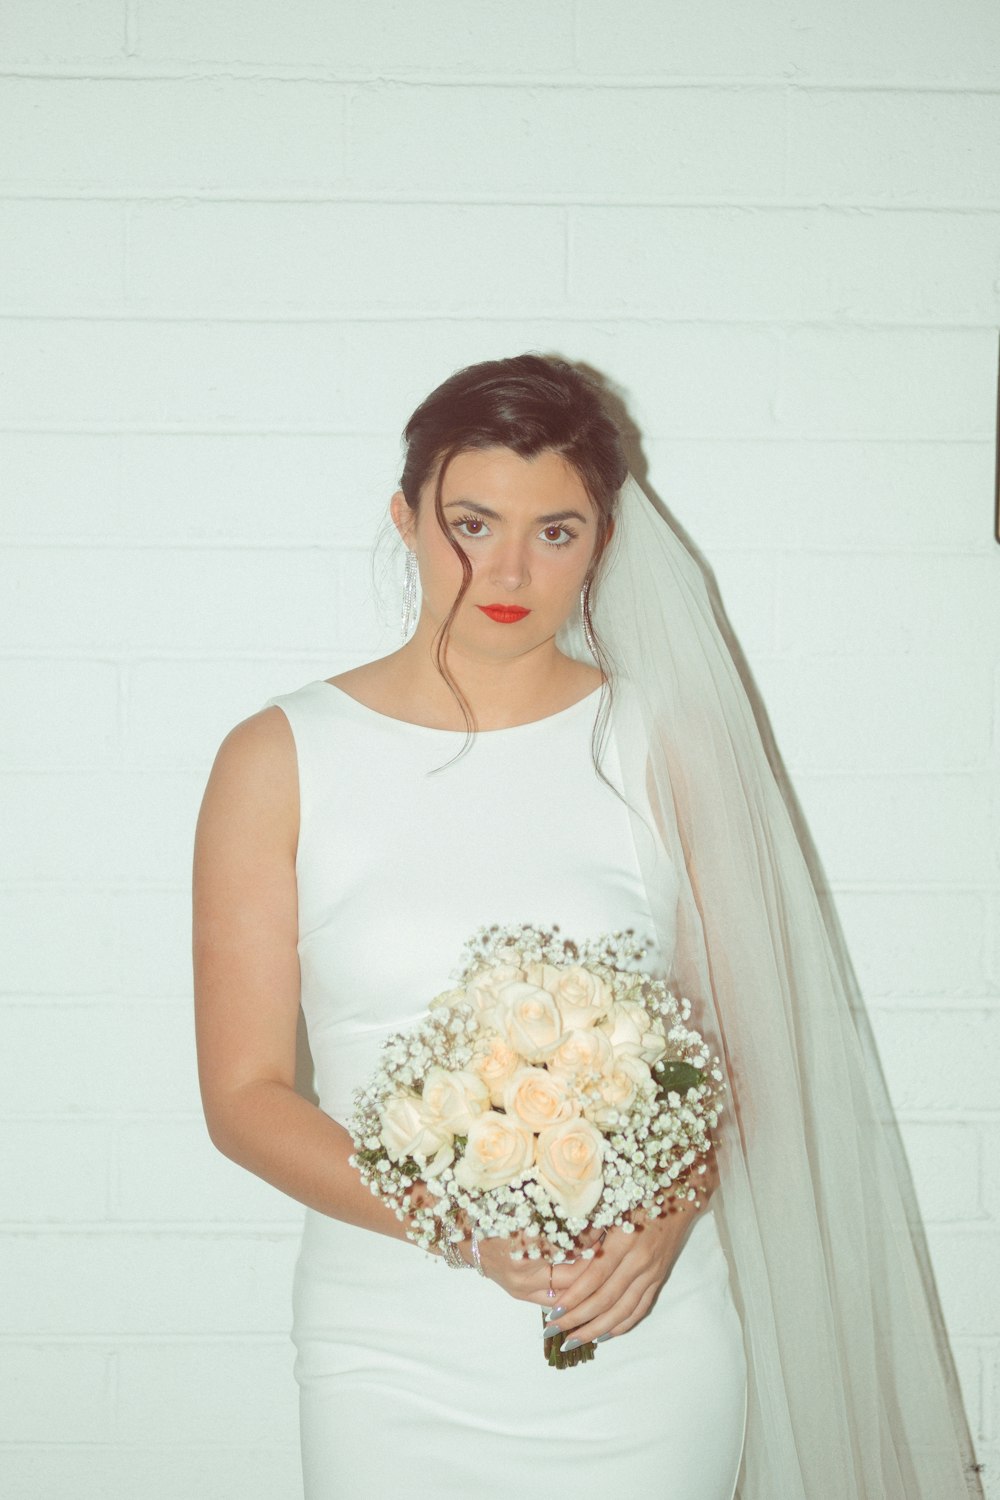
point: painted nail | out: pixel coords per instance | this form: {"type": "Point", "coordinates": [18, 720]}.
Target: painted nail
{"type": "Point", "coordinates": [554, 1312]}
{"type": "Point", "coordinates": [572, 1344]}
{"type": "Point", "coordinates": [548, 1332]}
{"type": "Point", "coordinates": [601, 1337]}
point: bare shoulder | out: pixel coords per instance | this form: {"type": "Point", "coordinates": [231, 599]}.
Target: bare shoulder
{"type": "Point", "coordinates": [253, 788]}
{"type": "Point", "coordinates": [259, 745]}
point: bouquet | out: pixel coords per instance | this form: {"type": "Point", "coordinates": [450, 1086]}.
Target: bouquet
{"type": "Point", "coordinates": [556, 1088]}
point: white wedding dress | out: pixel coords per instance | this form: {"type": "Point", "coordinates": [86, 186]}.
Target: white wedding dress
{"type": "Point", "coordinates": [414, 1379]}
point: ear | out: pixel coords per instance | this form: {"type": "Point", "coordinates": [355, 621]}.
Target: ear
{"type": "Point", "coordinates": [403, 517]}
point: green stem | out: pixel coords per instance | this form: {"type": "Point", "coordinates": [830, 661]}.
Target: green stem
{"type": "Point", "coordinates": [560, 1358]}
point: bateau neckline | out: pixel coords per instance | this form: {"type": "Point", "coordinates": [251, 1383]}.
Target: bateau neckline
{"type": "Point", "coordinates": [374, 713]}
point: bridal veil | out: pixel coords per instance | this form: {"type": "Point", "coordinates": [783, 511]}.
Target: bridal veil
{"type": "Point", "coordinates": [852, 1391]}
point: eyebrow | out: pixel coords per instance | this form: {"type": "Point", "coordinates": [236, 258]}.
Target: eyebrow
{"type": "Point", "coordinates": [484, 510]}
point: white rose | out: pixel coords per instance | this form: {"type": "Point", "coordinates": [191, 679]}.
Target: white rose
{"type": "Point", "coordinates": [538, 1099]}
{"type": "Point", "coordinates": [495, 1061]}
{"type": "Point", "coordinates": [448, 999]}
{"type": "Point", "coordinates": [616, 1091]}
{"type": "Point", "coordinates": [528, 1018]}
{"type": "Point", "coordinates": [581, 1053]}
{"type": "Point", "coordinates": [630, 1028]}
{"type": "Point", "coordinates": [453, 1099]}
{"type": "Point", "coordinates": [569, 1163]}
{"type": "Point", "coordinates": [582, 997]}
{"type": "Point", "coordinates": [407, 1130]}
{"type": "Point", "coordinates": [546, 976]}
{"type": "Point", "coordinates": [487, 981]}
{"type": "Point", "coordinates": [498, 1150]}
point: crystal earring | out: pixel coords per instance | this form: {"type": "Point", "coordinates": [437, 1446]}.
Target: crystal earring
{"type": "Point", "coordinates": [588, 633]}
{"type": "Point", "coordinates": [409, 593]}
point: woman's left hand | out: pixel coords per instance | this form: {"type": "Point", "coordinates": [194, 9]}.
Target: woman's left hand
{"type": "Point", "coordinates": [620, 1284]}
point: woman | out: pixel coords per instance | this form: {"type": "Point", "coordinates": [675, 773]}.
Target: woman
{"type": "Point", "coordinates": [352, 836]}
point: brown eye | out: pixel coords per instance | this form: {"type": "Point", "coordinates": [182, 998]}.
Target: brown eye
{"type": "Point", "coordinates": [468, 521]}
{"type": "Point", "coordinates": [568, 536]}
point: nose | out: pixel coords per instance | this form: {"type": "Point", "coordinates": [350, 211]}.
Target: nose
{"type": "Point", "coordinates": [509, 568]}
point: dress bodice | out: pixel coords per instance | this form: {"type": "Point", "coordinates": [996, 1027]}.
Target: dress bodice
{"type": "Point", "coordinates": [399, 862]}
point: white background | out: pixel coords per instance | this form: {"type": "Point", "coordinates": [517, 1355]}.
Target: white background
{"type": "Point", "coordinates": [239, 243]}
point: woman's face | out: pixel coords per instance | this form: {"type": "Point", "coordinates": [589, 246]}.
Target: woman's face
{"type": "Point", "coordinates": [529, 530]}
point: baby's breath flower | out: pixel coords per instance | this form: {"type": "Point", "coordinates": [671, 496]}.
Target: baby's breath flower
{"type": "Point", "coordinates": [646, 1147]}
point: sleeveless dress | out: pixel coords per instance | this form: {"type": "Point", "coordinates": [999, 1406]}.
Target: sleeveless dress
{"type": "Point", "coordinates": [415, 1379]}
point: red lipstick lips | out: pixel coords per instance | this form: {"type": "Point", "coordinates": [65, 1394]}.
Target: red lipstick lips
{"type": "Point", "coordinates": [504, 614]}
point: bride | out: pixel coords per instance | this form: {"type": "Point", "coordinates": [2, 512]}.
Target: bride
{"type": "Point", "coordinates": [562, 738]}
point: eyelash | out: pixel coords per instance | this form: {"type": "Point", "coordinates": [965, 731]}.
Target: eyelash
{"type": "Point", "coordinates": [478, 520]}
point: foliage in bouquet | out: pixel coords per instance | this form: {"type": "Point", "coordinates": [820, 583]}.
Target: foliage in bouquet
{"type": "Point", "coordinates": [556, 1086]}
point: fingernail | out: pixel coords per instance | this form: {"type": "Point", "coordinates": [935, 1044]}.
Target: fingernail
{"type": "Point", "coordinates": [572, 1344]}
{"type": "Point", "coordinates": [554, 1312]}
{"type": "Point", "coordinates": [601, 1337]}
{"type": "Point", "coordinates": [548, 1332]}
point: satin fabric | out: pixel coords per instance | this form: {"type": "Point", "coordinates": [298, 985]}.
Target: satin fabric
{"type": "Point", "coordinates": [413, 1378]}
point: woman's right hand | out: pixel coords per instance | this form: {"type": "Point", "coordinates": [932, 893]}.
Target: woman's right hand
{"type": "Point", "coordinates": [526, 1279]}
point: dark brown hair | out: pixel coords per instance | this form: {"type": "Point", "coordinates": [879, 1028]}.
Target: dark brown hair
{"type": "Point", "coordinates": [531, 404]}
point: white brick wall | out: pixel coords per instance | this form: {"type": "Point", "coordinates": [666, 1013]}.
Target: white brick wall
{"type": "Point", "coordinates": [239, 242]}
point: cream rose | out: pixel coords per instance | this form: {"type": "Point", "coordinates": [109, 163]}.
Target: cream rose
{"type": "Point", "coordinates": [630, 1028]}
{"type": "Point", "coordinates": [538, 1099]}
{"type": "Point", "coordinates": [546, 976]}
{"type": "Point", "coordinates": [407, 1130]}
{"type": "Point", "coordinates": [485, 984]}
{"type": "Point", "coordinates": [453, 1099]}
{"type": "Point", "coordinates": [528, 1018]}
{"type": "Point", "coordinates": [583, 998]}
{"type": "Point", "coordinates": [496, 1065]}
{"type": "Point", "coordinates": [569, 1161]}
{"type": "Point", "coordinates": [581, 1053]}
{"type": "Point", "coordinates": [498, 1149]}
{"type": "Point", "coordinates": [616, 1091]}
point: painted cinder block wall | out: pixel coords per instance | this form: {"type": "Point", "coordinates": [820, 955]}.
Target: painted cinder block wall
{"type": "Point", "coordinates": [239, 243]}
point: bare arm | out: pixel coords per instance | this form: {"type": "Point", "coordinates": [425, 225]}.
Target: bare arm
{"type": "Point", "coordinates": [246, 980]}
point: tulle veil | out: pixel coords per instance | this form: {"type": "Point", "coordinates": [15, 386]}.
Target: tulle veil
{"type": "Point", "coordinates": [853, 1394]}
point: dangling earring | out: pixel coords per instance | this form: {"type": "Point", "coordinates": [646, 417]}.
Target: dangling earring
{"type": "Point", "coordinates": [588, 633]}
{"type": "Point", "coordinates": [409, 593]}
